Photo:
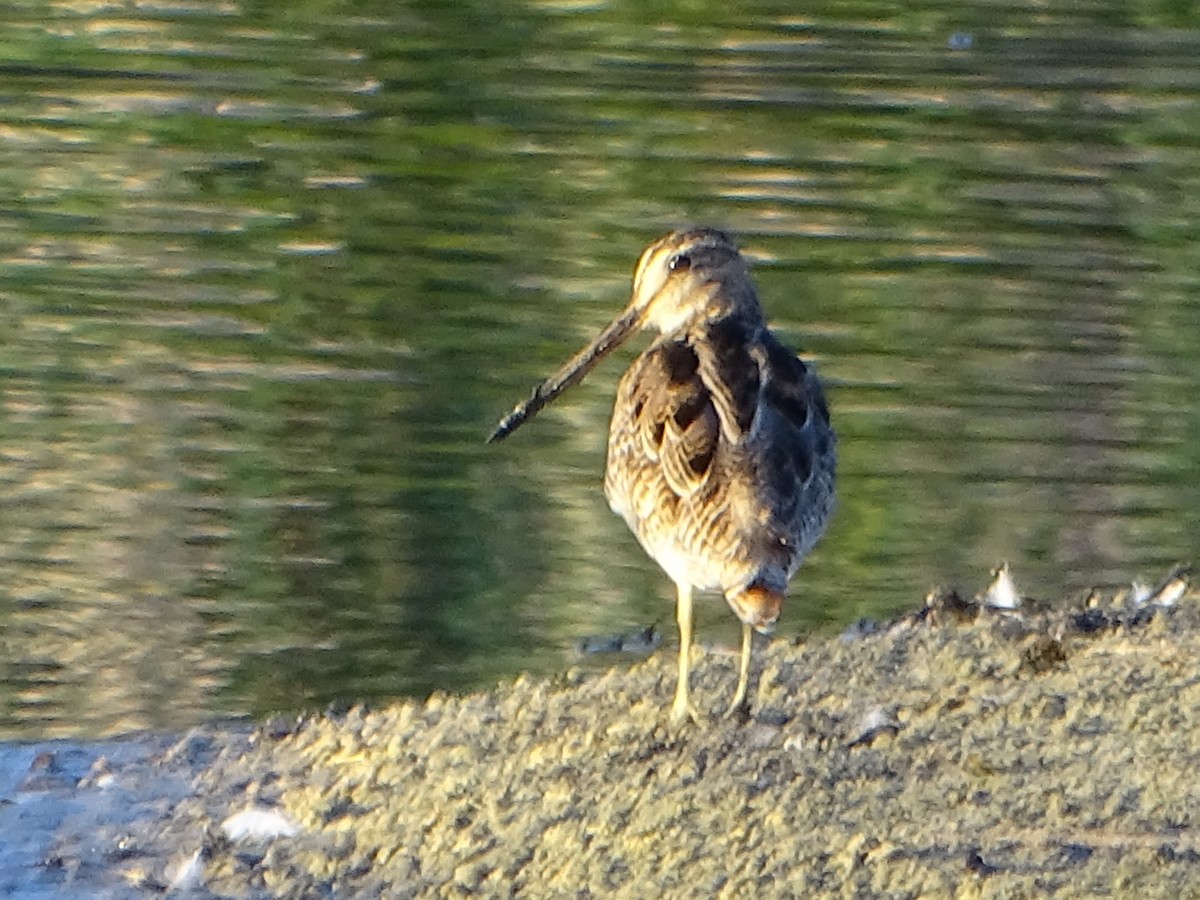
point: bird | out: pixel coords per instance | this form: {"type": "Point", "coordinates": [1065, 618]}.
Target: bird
{"type": "Point", "coordinates": [721, 454]}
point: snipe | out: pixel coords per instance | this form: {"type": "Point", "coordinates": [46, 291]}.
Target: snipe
{"type": "Point", "coordinates": [721, 457]}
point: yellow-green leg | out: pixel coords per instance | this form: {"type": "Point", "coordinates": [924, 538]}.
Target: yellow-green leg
{"type": "Point", "coordinates": [682, 707]}
{"type": "Point", "coordinates": [739, 696]}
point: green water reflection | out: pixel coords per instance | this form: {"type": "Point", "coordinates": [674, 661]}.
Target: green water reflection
{"type": "Point", "coordinates": [270, 273]}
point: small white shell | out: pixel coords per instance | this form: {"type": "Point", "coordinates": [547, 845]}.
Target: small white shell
{"type": "Point", "coordinates": [259, 823]}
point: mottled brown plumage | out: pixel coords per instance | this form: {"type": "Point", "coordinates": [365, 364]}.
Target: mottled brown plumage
{"type": "Point", "coordinates": [721, 456]}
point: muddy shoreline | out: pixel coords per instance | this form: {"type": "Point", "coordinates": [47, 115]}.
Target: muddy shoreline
{"type": "Point", "coordinates": [959, 751]}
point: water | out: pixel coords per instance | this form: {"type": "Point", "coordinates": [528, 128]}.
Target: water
{"type": "Point", "coordinates": [268, 276]}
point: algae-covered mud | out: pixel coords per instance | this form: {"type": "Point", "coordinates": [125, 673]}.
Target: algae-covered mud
{"type": "Point", "coordinates": [958, 752]}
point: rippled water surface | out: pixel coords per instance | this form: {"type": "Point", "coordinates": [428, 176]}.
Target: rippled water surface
{"type": "Point", "coordinates": [270, 272]}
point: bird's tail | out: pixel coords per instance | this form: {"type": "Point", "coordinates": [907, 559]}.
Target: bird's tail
{"type": "Point", "coordinates": [757, 606]}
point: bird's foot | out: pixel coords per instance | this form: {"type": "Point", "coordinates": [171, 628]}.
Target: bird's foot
{"type": "Point", "coordinates": [739, 709]}
{"type": "Point", "coordinates": [682, 710]}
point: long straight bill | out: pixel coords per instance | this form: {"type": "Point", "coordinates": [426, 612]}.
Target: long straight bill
{"type": "Point", "coordinates": [570, 374]}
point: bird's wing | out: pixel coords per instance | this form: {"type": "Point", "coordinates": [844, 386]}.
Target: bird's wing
{"type": "Point", "coordinates": [773, 414]}
{"type": "Point", "coordinates": [729, 365]}
{"type": "Point", "coordinates": [665, 420]}
{"type": "Point", "coordinates": [796, 464]}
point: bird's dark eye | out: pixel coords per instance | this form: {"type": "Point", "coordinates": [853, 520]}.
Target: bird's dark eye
{"type": "Point", "coordinates": [680, 263]}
